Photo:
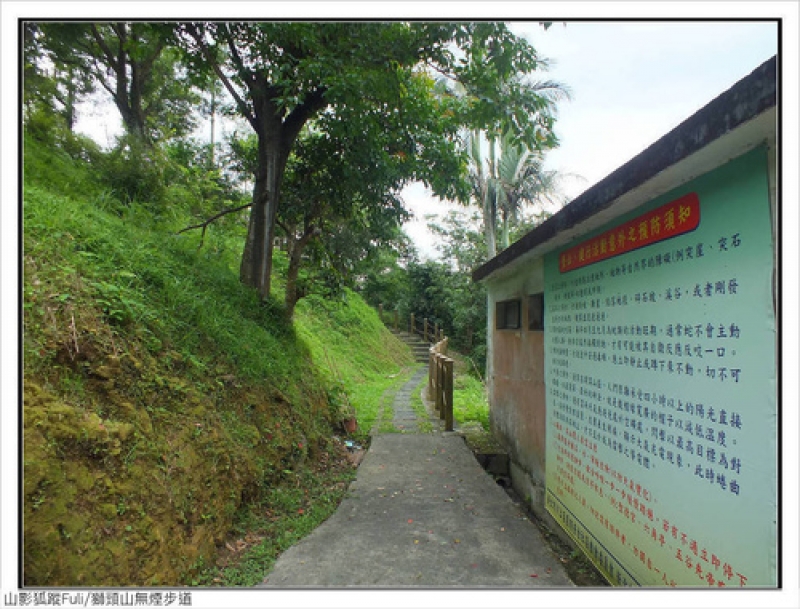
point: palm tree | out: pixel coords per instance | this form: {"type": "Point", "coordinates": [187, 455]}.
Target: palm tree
{"type": "Point", "coordinates": [483, 187]}
{"type": "Point", "coordinates": [490, 191]}
{"type": "Point", "coordinates": [502, 187]}
{"type": "Point", "coordinates": [521, 179]}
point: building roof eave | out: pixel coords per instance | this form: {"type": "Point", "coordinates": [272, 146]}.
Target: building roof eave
{"type": "Point", "coordinates": [737, 120]}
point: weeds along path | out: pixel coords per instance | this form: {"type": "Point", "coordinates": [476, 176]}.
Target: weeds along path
{"type": "Point", "coordinates": [403, 410]}
{"type": "Point", "coordinates": [410, 415]}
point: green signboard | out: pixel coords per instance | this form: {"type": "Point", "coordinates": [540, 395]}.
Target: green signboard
{"type": "Point", "coordinates": [661, 387]}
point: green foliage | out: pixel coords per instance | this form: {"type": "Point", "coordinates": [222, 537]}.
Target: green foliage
{"type": "Point", "coordinates": [368, 79]}
{"type": "Point", "coordinates": [136, 62]}
{"type": "Point", "coordinates": [161, 396]}
{"type": "Point", "coordinates": [195, 185]}
{"type": "Point", "coordinates": [353, 349]}
{"type": "Point", "coordinates": [338, 206]}
{"type": "Point", "coordinates": [55, 79]}
{"type": "Point", "coordinates": [135, 172]}
{"type": "Point", "coordinates": [265, 529]}
{"type": "Point", "coordinates": [470, 402]}
{"type": "Point", "coordinates": [440, 292]}
{"type": "Point", "coordinates": [58, 160]}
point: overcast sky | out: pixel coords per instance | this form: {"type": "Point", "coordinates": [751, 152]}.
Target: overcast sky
{"type": "Point", "coordinates": [630, 83]}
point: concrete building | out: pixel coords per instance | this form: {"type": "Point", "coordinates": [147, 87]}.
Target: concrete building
{"type": "Point", "coordinates": [584, 311]}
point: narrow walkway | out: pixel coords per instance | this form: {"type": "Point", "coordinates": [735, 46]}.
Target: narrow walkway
{"type": "Point", "coordinates": [405, 418]}
{"type": "Point", "coordinates": [421, 513]}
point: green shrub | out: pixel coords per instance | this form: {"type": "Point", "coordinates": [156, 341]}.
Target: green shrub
{"type": "Point", "coordinates": [470, 401]}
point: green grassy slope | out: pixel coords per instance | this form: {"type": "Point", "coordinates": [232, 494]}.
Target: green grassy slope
{"type": "Point", "coordinates": [160, 397]}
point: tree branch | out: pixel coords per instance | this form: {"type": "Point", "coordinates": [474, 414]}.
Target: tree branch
{"type": "Point", "coordinates": [283, 226]}
{"type": "Point", "coordinates": [240, 103]}
{"type": "Point", "coordinates": [244, 73]}
{"type": "Point", "coordinates": [105, 49]}
{"type": "Point", "coordinates": [294, 122]}
{"type": "Point", "coordinates": [146, 65]}
{"type": "Point", "coordinates": [204, 225]}
{"type": "Point", "coordinates": [436, 68]}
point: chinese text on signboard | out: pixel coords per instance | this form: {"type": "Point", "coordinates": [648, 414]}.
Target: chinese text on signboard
{"type": "Point", "coordinates": [661, 395]}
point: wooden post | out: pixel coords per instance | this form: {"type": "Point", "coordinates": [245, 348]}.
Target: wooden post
{"type": "Point", "coordinates": [431, 370]}
{"type": "Point", "coordinates": [436, 333]}
{"type": "Point", "coordinates": [438, 387]}
{"type": "Point", "coordinates": [448, 394]}
{"type": "Point", "coordinates": [425, 329]}
{"type": "Point", "coordinates": [380, 312]}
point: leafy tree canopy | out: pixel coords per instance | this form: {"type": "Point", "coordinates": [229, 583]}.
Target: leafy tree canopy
{"type": "Point", "coordinates": [282, 75]}
{"type": "Point", "coordinates": [136, 63]}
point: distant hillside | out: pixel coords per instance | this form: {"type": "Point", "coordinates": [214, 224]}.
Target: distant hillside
{"type": "Point", "coordinates": [160, 396]}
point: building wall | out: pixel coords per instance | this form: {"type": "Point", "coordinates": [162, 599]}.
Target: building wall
{"type": "Point", "coordinates": [516, 383]}
{"type": "Point", "coordinates": [517, 380]}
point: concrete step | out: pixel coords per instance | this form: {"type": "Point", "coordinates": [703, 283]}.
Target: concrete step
{"type": "Point", "coordinates": [419, 348]}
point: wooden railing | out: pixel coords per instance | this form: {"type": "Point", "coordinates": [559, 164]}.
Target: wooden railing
{"type": "Point", "coordinates": [430, 332]}
{"type": "Point", "coordinates": [440, 383]}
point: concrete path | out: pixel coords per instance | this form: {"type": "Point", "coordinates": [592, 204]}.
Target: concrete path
{"type": "Point", "coordinates": [421, 513]}
{"type": "Point", "coordinates": [405, 419]}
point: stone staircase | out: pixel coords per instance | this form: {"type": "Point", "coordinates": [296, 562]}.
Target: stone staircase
{"type": "Point", "coordinates": [419, 347]}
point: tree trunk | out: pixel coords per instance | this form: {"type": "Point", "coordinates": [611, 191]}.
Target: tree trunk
{"type": "Point", "coordinates": [490, 204]}
{"type": "Point", "coordinates": [490, 226]}
{"type": "Point", "coordinates": [213, 125]}
{"type": "Point", "coordinates": [296, 249]}
{"type": "Point", "coordinates": [276, 136]}
{"type": "Point", "coordinates": [251, 270]}
{"type": "Point", "coordinates": [69, 109]}
{"type": "Point", "coordinates": [505, 237]}
{"type": "Point", "coordinates": [256, 267]}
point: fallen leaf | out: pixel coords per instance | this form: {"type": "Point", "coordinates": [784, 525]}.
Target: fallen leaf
{"type": "Point", "coordinates": [416, 541]}
{"type": "Point", "coordinates": [410, 521]}
{"type": "Point", "coordinates": [301, 511]}
{"type": "Point", "coordinates": [534, 575]}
